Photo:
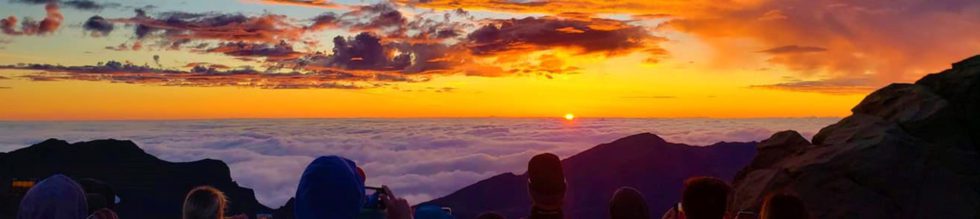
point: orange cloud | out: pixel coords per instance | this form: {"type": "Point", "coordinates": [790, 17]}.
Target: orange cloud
{"type": "Point", "coordinates": [556, 7]}
{"type": "Point", "coordinates": [301, 3]}
{"type": "Point", "coordinates": [49, 24]}
{"type": "Point", "coordinates": [886, 40]}
{"type": "Point", "coordinates": [528, 34]}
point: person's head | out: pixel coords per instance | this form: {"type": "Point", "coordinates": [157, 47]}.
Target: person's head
{"type": "Point", "coordinates": [546, 180]}
{"type": "Point", "coordinates": [491, 215]}
{"type": "Point", "coordinates": [705, 198]}
{"type": "Point", "coordinates": [204, 202]}
{"type": "Point", "coordinates": [628, 203]}
{"type": "Point", "coordinates": [783, 206]}
{"type": "Point", "coordinates": [99, 194]}
{"type": "Point", "coordinates": [331, 188]}
{"type": "Point", "coordinates": [55, 197]}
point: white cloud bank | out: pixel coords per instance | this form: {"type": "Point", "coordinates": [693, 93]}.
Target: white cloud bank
{"type": "Point", "coordinates": [420, 159]}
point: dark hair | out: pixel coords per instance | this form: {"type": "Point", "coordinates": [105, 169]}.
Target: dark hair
{"type": "Point", "coordinates": [783, 206]}
{"type": "Point", "coordinates": [204, 202]}
{"type": "Point", "coordinates": [705, 198]}
{"type": "Point", "coordinates": [490, 215]}
{"type": "Point", "coordinates": [98, 194]}
{"type": "Point", "coordinates": [628, 203]}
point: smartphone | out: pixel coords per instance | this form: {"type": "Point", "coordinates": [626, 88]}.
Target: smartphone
{"type": "Point", "coordinates": [374, 197]}
{"type": "Point", "coordinates": [373, 208]}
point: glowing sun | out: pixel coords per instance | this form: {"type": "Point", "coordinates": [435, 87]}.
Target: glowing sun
{"type": "Point", "coordinates": [569, 116]}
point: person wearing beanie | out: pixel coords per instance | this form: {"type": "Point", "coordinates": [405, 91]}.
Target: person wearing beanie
{"type": "Point", "coordinates": [546, 185]}
{"type": "Point", "coordinates": [54, 197]}
{"type": "Point", "coordinates": [332, 187]}
{"type": "Point", "coordinates": [628, 203]}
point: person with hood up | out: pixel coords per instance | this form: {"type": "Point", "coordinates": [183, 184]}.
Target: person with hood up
{"type": "Point", "coordinates": [332, 187]}
{"type": "Point", "coordinates": [546, 185]}
{"type": "Point", "coordinates": [56, 197]}
{"type": "Point", "coordinates": [628, 203]}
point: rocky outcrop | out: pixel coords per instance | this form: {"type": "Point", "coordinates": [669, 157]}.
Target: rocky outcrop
{"type": "Point", "coordinates": [907, 151]}
{"type": "Point", "coordinates": [147, 187]}
{"type": "Point", "coordinates": [644, 161]}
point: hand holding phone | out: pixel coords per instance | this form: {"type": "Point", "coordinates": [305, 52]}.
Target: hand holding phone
{"type": "Point", "coordinates": [396, 208]}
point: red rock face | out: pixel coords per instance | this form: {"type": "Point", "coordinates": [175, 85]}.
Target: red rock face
{"type": "Point", "coordinates": [908, 151]}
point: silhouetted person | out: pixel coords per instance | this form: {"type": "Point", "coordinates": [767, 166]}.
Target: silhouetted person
{"type": "Point", "coordinates": [703, 198]}
{"type": "Point", "coordinates": [628, 203]}
{"type": "Point", "coordinates": [98, 194]}
{"type": "Point", "coordinates": [332, 187]}
{"type": "Point", "coordinates": [204, 202]}
{"type": "Point", "coordinates": [546, 185]}
{"type": "Point", "coordinates": [491, 215]}
{"type": "Point", "coordinates": [56, 197]}
{"type": "Point", "coordinates": [783, 206]}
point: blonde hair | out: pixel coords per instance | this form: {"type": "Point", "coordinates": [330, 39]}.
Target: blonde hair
{"type": "Point", "coordinates": [204, 202]}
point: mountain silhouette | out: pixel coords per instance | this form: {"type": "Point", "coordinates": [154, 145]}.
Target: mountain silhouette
{"type": "Point", "coordinates": [147, 186]}
{"type": "Point", "coordinates": [644, 161]}
{"type": "Point", "coordinates": [907, 151]}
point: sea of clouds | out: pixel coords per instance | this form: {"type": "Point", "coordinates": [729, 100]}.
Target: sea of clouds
{"type": "Point", "coordinates": [420, 159]}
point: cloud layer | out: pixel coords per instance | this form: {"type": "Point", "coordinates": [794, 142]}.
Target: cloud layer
{"type": "Point", "coordinates": [420, 158]}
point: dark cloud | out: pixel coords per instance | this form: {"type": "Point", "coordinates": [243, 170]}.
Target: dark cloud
{"type": "Point", "coordinates": [592, 36]}
{"type": "Point", "coordinates": [364, 51]}
{"type": "Point", "coordinates": [203, 75]}
{"type": "Point", "coordinates": [88, 5]}
{"type": "Point", "coordinates": [325, 21]}
{"type": "Point", "coordinates": [76, 4]}
{"type": "Point", "coordinates": [377, 17]}
{"type": "Point", "coordinates": [304, 3]}
{"type": "Point", "coordinates": [280, 51]}
{"type": "Point", "coordinates": [176, 26]}
{"type": "Point", "coordinates": [367, 51]}
{"type": "Point", "coordinates": [836, 86]}
{"type": "Point", "coordinates": [135, 46]}
{"type": "Point", "coordinates": [98, 25]}
{"type": "Point", "coordinates": [793, 49]}
{"type": "Point", "coordinates": [28, 26]}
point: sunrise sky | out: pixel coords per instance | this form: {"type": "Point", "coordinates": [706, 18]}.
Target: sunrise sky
{"type": "Point", "coordinates": [109, 60]}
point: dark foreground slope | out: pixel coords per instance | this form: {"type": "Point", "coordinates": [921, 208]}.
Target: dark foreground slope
{"type": "Point", "coordinates": [908, 151]}
{"type": "Point", "coordinates": [148, 187]}
{"type": "Point", "coordinates": [645, 161]}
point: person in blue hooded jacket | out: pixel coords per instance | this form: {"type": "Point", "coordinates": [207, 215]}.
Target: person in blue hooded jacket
{"type": "Point", "coordinates": [56, 197]}
{"type": "Point", "coordinates": [332, 187]}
